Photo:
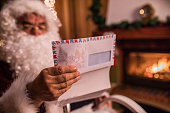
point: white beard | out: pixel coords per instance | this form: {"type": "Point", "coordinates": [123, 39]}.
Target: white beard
{"type": "Point", "coordinates": [29, 54]}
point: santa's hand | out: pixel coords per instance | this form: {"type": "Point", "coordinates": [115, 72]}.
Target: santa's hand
{"type": "Point", "coordinates": [52, 82]}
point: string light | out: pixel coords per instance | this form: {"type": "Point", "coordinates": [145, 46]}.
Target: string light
{"type": "Point", "coordinates": [51, 5]}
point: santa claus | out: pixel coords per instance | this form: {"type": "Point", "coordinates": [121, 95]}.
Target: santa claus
{"type": "Point", "coordinates": [27, 76]}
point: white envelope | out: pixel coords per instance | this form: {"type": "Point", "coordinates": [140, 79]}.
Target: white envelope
{"type": "Point", "coordinates": [93, 57]}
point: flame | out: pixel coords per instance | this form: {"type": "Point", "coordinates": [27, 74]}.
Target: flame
{"type": "Point", "coordinates": [161, 65]}
{"type": "Point", "coordinates": [154, 68]}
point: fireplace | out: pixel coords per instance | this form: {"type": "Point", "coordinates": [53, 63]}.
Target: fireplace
{"type": "Point", "coordinates": [144, 56]}
{"type": "Point", "coordinates": [150, 69]}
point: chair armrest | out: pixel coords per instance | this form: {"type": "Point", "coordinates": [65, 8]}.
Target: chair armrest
{"type": "Point", "coordinates": [127, 102]}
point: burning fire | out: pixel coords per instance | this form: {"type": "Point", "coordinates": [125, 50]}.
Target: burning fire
{"type": "Point", "coordinates": [162, 65]}
{"type": "Point", "coordinates": [159, 69]}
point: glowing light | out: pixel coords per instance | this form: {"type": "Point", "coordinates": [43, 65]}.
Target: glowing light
{"type": "Point", "coordinates": [156, 76]}
{"type": "Point", "coordinates": [149, 75]}
{"type": "Point", "coordinates": [141, 11]}
{"type": "Point", "coordinates": [51, 5]}
{"type": "Point", "coordinates": [161, 65]}
{"type": "Point", "coordinates": [161, 77]}
{"type": "Point", "coordinates": [154, 68]}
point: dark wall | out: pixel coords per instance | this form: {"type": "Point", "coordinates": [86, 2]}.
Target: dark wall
{"type": "Point", "coordinates": [2, 2]}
